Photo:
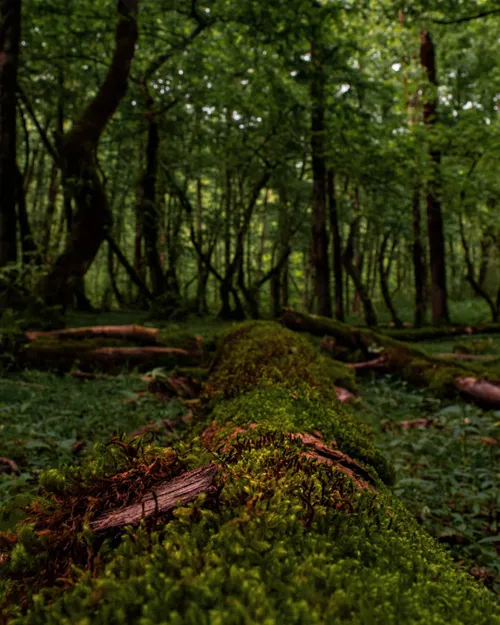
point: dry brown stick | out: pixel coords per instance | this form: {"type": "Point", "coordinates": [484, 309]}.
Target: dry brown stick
{"type": "Point", "coordinates": [179, 491]}
{"type": "Point", "coordinates": [378, 362]}
{"type": "Point", "coordinates": [13, 466]}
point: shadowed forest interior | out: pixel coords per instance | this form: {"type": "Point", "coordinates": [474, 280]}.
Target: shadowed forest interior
{"type": "Point", "coordinates": [249, 312]}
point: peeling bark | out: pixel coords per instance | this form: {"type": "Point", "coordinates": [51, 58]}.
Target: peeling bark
{"type": "Point", "coordinates": [179, 491]}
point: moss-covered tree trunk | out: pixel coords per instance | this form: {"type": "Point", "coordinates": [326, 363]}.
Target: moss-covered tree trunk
{"type": "Point", "coordinates": [295, 523]}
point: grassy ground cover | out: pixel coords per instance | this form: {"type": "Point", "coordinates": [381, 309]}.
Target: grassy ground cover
{"type": "Point", "coordinates": [448, 473]}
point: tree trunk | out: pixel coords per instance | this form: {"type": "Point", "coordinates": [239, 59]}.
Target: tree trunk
{"type": "Point", "coordinates": [337, 248]}
{"type": "Point", "coordinates": [384, 281]}
{"type": "Point", "coordinates": [78, 158]}
{"type": "Point", "coordinates": [418, 262]}
{"type": "Point", "coordinates": [10, 33]}
{"type": "Point", "coordinates": [354, 272]}
{"type": "Point", "coordinates": [149, 210]}
{"type": "Point", "coordinates": [439, 299]}
{"type": "Point", "coordinates": [320, 263]}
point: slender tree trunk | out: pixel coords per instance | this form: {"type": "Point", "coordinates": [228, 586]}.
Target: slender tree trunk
{"type": "Point", "coordinates": [10, 33]}
{"type": "Point", "coordinates": [435, 226]}
{"type": "Point", "coordinates": [149, 209]}
{"type": "Point", "coordinates": [337, 248]}
{"type": "Point", "coordinates": [320, 262]}
{"type": "Point", "coordinates": [384, 274]}
{"type": "Point", "coordinates": [418, 261]}
{"type": "Point", "coordinates": [93, 217]}
{"type": "Point", "coordinates": [354, 272]}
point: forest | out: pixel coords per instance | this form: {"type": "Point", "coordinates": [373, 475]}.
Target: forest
{"type": "Point", "coordinates": [249, 312]}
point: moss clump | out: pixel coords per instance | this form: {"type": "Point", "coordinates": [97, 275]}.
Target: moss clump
{"type": "Point", "coordinates": [264, 353]}
{"type": "Point", "coordinates": [305, 410]}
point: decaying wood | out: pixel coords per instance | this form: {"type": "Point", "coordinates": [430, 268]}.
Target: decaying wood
{"type": "Point", "coordinates": [106, 358]}
{"type": "Point", "coordinates": [343, 395]}
{"type": "Point", "coordinates": [334, 457]}
{"type": "Point", "coordinates": [482, 391]}
{"type": "Point", "coordinates": [377, 363]}
{"type": "Point", "coordinates": [403, 360]}
{"type": "Point", "coordinates": [179, 491]}
{"type": "Point", "coordinates": [10, 463]}
{"type": "Point", "coordinates": [320, 451]}
{"type": "Point", "coordinates": [164, 424]}
{"type": "Point", "coordinates": [139, 334]}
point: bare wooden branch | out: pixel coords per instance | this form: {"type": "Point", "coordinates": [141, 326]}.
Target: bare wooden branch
{"type": "Point", "coordinates": [179, 491]}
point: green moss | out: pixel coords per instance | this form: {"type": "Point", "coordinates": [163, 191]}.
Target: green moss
{"type": "Point", "coordinates": [284, 540]}
{"type": "Point", "coordinates": [285, 545]}
{"type": "Point", "coordinates": [262, 351]}
{"type": "Point", "coordinates": [304, 410]}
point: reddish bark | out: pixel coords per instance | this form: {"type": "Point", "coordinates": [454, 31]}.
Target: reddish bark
{"type": "Point", "coordinates": [107, 358]}
{"type": "Point", "coordinates": [146, 336]}
{"type": "Point", "coordinates": [179, 491]}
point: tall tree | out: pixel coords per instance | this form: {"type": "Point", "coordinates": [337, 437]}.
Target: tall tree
{"type": "Point", "coordinates": [439, 298]}
{"type": "Point", "coordinates": [78, 160]}
{"type": "Point", "coordinates": [10, 32]}
{"type": "Point", "coordinates": [319, 233]}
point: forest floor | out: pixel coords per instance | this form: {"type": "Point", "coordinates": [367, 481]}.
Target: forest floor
{"type": "Point", "coordinates": [446, 455]}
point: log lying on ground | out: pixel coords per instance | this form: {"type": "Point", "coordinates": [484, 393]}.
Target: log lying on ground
{"type": "Point", "coordinates": [377, 351]}
{"type": "Point", "coordinates": [134, 333]}
{"type": "Point", "coordinates": [62, 357]}
{"type": "Point", "coordinates": [302, 529]}
{"type": "Point", "coordinates": [411, 335]}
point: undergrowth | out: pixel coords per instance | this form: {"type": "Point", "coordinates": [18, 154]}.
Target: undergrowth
{"type": "Point", "coordinates": [447, 474]}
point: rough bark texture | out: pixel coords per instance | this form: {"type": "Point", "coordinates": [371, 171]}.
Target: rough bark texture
{"type": "Point", "coordinates": [10, 32]}
{"type": "Point", "coordinates": [435, 226]}
{"type": "Point", "coordinates": [78, 158]}
{"type": "Point", "coordinates": [300, 528]}
{"type": "Point", "coordinates": [177, 492]}
{"type": "Point", "coordinates": [419, 270]}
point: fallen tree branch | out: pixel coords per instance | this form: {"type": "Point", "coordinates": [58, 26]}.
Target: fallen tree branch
{"type": "Point", "coordinates": [140, 334]}
{"type": "Point", "coordinates": [481, 391]}
{"type": "Point", "coordinates": [405, 361]}
{"type": "Point", "coordinates": [370, 364]}
{"type": "Point", "coordinates": [179, 491]}
{"type": "Point", "coordinates": [106, 358]}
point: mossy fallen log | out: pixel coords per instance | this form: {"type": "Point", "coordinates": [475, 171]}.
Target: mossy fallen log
{"type": "Point", "coordinates": [411, 335]}
{"type": "Point", "coordinates": [300, 529]}
{"type": "Point", "coordinates": [63, 356]}
{"type": "Point", "coordinates": [478, 382]}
